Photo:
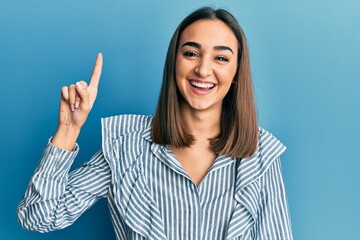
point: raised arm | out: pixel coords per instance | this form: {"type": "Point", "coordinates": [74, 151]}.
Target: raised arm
{"type": "Point", "coordinates": [54, 198]}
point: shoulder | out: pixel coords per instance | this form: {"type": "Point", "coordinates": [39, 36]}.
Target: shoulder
{"type": "Point", "coordinates": [268, 150]}
{"type": "Point", "coordinates": [123, 137]}
{"type": "Point", "coordinates": [116, 126]}
{"type": "Point", "coordinates": [268, 143]}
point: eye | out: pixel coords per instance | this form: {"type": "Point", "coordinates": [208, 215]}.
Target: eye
{"type": "Point", "coordinates": [222, 59]}
{"type": "Point", "coordinates": [191, 54]}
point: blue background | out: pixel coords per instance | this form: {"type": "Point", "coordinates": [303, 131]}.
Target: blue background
{"type": "Point", "coordinates": [305, 59]}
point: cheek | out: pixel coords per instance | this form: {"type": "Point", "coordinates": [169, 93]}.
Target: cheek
{"type": "Point", "coordinates": [180, 66]}
{"type": "Point", "coordinates": [227, 75]}
{"type": "Point", "coordinates": [179, 73]}
{"type": "Point", "coordinates": [232, 72]}
{"type": "Point", "coordinates": [233, 69]}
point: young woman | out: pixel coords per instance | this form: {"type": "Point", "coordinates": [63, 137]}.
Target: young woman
{"type": "Point", "coordinates": [199, 169]}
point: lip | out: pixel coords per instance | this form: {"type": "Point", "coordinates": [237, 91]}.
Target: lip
{"type": "Point", "coordinates": [201, 91]}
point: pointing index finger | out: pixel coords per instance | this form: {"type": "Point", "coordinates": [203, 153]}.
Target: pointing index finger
{"type": "Point", "coordinates": [95, 77]}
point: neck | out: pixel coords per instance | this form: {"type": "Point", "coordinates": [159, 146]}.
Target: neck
{"type": "Point", "coordinates": [202, 125]}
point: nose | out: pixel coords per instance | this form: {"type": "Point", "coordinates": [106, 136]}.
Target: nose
{"type": "Point", "coordinates": [204, 68]}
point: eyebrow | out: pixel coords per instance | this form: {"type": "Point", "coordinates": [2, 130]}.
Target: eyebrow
{"type": "Point", "coordinates": [198, 45]}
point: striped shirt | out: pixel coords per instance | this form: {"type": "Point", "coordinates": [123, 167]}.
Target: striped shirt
{"type": "Point", "coordinates": [150, 195]}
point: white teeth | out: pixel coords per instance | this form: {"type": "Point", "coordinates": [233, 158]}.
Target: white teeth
{"type": "Point", "coordinates": [202, 85]}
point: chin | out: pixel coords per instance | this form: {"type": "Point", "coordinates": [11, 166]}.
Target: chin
{"type": "Point", "coordinates": [204, 107]}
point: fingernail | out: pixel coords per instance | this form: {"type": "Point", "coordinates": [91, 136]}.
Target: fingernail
{"type": "Point", "coordinates": [72, 107]}
{"type": "Point", "coordinates": [79, 85]}
{"type": "Point", "coordinates": [76, 104]}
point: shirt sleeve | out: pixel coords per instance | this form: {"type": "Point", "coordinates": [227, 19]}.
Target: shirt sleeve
{"type": "Point", "coordinates": [274, 218]}
{"type": "Point", "coordinates": [55, 198]}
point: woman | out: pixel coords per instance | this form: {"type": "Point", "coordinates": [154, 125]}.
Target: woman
{"type": "Point", "coordinates": [199, 169]}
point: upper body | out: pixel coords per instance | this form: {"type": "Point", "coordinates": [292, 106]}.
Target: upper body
{"type": "Point", "coordinates": [151, 196]}
{"type": "Point", "coordinates": [171, 175]}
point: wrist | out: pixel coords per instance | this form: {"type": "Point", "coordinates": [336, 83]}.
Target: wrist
{"type": "Point", "coordinates": [65, 137]}
{"type": "Point", "coordinates": [67, 129]}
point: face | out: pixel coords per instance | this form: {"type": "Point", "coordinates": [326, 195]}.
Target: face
{"type": "Point", "coordinates": [206, 64]}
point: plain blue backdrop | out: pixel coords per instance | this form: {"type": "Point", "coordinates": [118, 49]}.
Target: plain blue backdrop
{"type": "Point", "coordinates": [305, 59]}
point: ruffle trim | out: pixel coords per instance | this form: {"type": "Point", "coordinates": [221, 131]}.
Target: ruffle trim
{"type": "Point", "coordinates": [247, 189]}
{"type": "Point", "coordinates": [131, 194]}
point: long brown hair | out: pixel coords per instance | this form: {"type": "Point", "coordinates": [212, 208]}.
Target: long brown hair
{"type": "Point", "coordinates": [239, 131]}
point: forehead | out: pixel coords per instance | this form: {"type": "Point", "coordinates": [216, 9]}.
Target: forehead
{"type": "Point", "coordinates": [209, 33]}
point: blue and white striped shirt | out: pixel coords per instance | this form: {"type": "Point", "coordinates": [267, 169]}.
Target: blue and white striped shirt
{"type": "Point", "coordinates": [150, 195]}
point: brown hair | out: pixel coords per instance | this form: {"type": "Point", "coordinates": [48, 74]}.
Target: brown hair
{"type": "Point", "coordinates": [239, 131]}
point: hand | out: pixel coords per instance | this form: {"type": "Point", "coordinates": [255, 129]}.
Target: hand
{"type": "Point", "coordinates": [78, 99]}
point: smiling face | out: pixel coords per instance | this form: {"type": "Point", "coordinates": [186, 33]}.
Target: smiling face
{"type": "Point", "coordinates": [206, 63]}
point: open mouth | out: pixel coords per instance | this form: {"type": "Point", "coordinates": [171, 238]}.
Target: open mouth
{"type": "Point", "coordinates": [202, 86]}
